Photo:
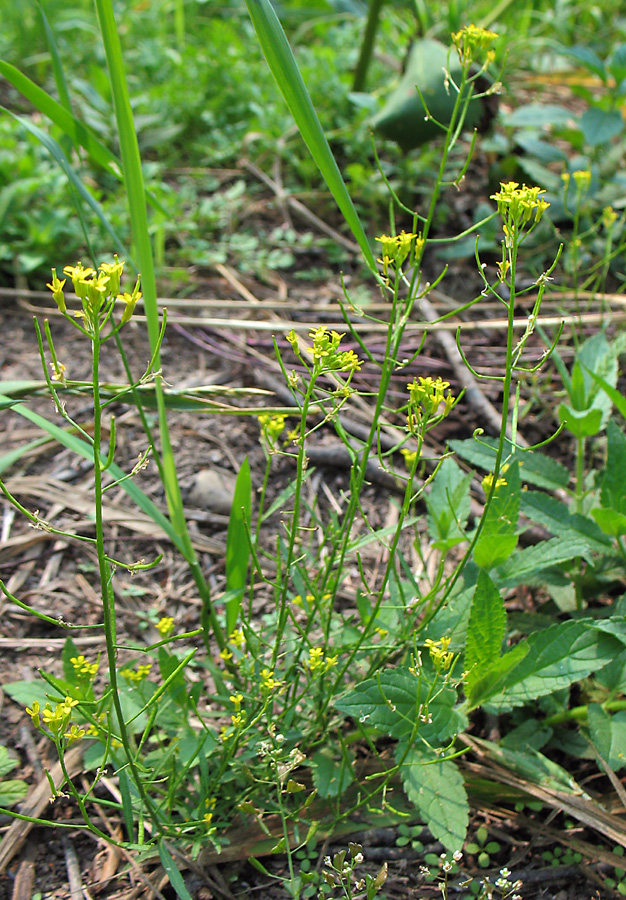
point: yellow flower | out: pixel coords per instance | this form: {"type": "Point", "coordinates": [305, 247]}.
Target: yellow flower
{"type": "Point", "coordinates": [131, 301]}
{"type": "Point", "coordinates": [236, 700]}
{"type": "Point", "coordinates": [517, 205]}
{"type": "Point", "coordinates": [317, 663]}
{"type": "Point", "coordinates": [57, 291]}
{"type": "Point", "coordinates": [442, 659]}
{"type": "Point", "coordinates": [113, 271]}
{"type": "Point", "coordinates": [472, 41]}
{"type": "Point", "coordinates": [82, 666]}
{"type": "Point", "coordinates": [34, 713]}
{"type": "Point", "coordinates": [74, 734]}
{"type": "Point", "coordinates": [80, 278]}
{"type": "Point", "coordinates": [165, 625]}
{"type": "Point", "coordinates": [396, 248]}
{"type": "Point", "coordinates": [236, 638]}
{"type": "Point", "coordinates": [137, 674]}
{"type": "Point", "coordinates": [268, 682]}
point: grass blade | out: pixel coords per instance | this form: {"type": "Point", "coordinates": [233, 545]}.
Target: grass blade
{"type": "Point", "coordinates": [285, 70]}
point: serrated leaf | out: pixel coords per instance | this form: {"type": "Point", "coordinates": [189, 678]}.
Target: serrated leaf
{"type": "Point", "coordinates": [485, 629]}
{"type": "Point", "coordinates": [528, 565]}
{"type": "Point", "coordinates": [608, 734]}
{"type": "Point", "coordinates": [438, 792]}
{"type": "Point", "coordinates": [613, 484]}
{"type": "Point", "coordinates": [332, 773]}
{"type": "Point", "coordinates": [556, 658]}
{"type": "Point", "coordinates": [491, 681]}
{"type": "Point", "coordinates": [396, 701]}
{"type": "Point", "coordinates": [534, 467]}
{"type": "Point", "coordinates": [448, 505]}
{"type": "Point", "coordinates": [498, 537]}
{"type": "Point", "coordinates": [557, 518]}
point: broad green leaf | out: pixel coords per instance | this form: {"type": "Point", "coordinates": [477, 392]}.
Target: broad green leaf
{"type": "Point", "coordinates": [599, 126]}
{"type": "Point", "coordinates": [556, 658]}
{"type": "Point", "coordinates": [580, 423]}
{"type": "Point", "coordinates": [238, 544]}
{"type": "Point", "coordinates": [532, 765]}
{"type": "Point", "coordinates": [534, 467]}
{"type": "Point", "coordinates": [404, 118]}
{"type": "Point", "coordinates": [529, 565]}
{"type": "Point", "coordinates": [69, 650]}
{"type": "Point", "coordinates": [608, 734]}
{"type": "Point", "coordinates": [613, 483]}
{"type": "Point", "coordinates": [491, 681]}
{"type": "Point", "coordinates": [485, 630]}
{"type": "Point", "coordinates": [537, 115]}
{"type": "Point", "coordinates": [12, 790]}
{"type": "Point", "coordinates": [618, 399]}
{"type": "Point", "coordinates": [437, 790]}
{"type": "Point", "coordinates": [283, 66]}
{"type": "Point", "coordinates": [332, 773]}
{"type": "Point", "coordinates": [498, 537]}
{"type": "Point", "coordinates": [616, 63]}
{"type": "Point", "coordinates": [448, 505]}
{"type": "Point", "coordinates": [25, 692]}
{"type": "Point", "coordinates": [611, 522]}
{"type": "Point", "coordinates": [7, 762]}
{"type": "Point", "coordinates": [557, 518]}
{"type": "Point", "coordinates": [395, 702]}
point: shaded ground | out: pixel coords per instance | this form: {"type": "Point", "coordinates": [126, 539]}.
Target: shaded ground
{"type": "Point", "coordinates": [57, 578]}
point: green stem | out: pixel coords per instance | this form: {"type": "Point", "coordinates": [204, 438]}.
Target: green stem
{"type": "Point", "coordinates": [367, 46]}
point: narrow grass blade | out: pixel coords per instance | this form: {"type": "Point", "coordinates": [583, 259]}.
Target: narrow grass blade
{"type": "Point", "coordinates": [284, 68]}
{"type": "Point", "coordinates": [237, 544]}
{"type": "Point", "coordinates": [173, 873]}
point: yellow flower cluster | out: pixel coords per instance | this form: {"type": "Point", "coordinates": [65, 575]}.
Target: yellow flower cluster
{"type": "Point", "coordinates": [441, 657]}
{"type": "Point", "coordinates": [517, 205]}
{"type": "Point", "coordinates": [425, 398]}
{"type": "Point", "coordinates": [396, 248]}
{"type": "Point", "coordinates": [83, 667]}
{"type": "Point", "coordinates": [56, 720]}
{"type": "Point", "coordinates": [268, 682]}
{"type": "Point", "coordinates": [326, 352]}
{"type": "Point", "coordinates": [317, 663]}
{"type": "Point", "coordinates": [93, 288]}
{"type": "Point", "coordinates": [472, 42]}
{"type": "Point", "coordinates": [165, 625]}
{"type": "Point", "coordinates": [272, 426]}
{"type": "Point", "coordinates": [137, 674]}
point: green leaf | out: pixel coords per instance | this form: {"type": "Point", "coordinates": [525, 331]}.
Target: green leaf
{"type": "Point", "coordinates": [556, 658]}
{"type": "Point", "coordinates": [608, 734]}
{"type": "Point", "coordinates": [534, 467]}
{"type": "Point", "coordinates": [557, 518]}
{"type": "Point", "coordinates": [7, 761]}
{"type": "Point", "coordinates": [24, 692]}
{"type": "Point", "coordinates": [238, 544]}
{"type": "Point", "coordinates": [283, 66]}
{"type": "Point", "coordinates": [532, 765]}
{"type": "Point", "coordinates": [599, 126]}
{"type": "Point", "coordinates": [437, 790]}
{"type": "Point", "coordinates": [332, 773]}
{"type": "Point", "coordinates": [58, 155]}
{"type": "Point", "coordinates": [173, 872]}
{"type": "Point", "coordinates": [69, 650]}
{"type": "Point", "coordinates": [613, 484]}
{"type": "Point", "coordinates": [404, 118]}
{"type": "Point", "coordinates": [12, 791]}
{"type": "Point", "coordinates": [530, 564]}
{"type": "Point", "coordinates": [491, 681]}
{"type": "Point", "coordinates": [448, 505]}
{"type": "Point", "coordinates": [485, 630]}
{"type": "Point", "coordinates": [396, 702]}
{"type": "Point", "coordinates": [611, 522]}
{"type": "Point", "coordinates": [498, 537]}
{"type": "Point", "coordinates": [580, 423]}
